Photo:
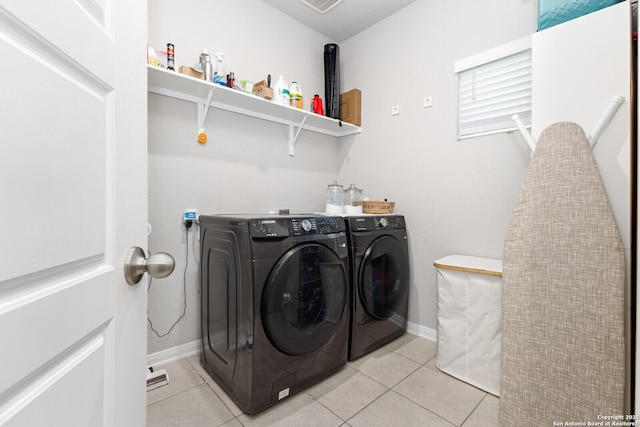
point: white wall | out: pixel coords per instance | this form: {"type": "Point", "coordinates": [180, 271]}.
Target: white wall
{"type": "Point", "coordinates": [244, 167]}
{"type": "Point", "coordinates": [457, 196]}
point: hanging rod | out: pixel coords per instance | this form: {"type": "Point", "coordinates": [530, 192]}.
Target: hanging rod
{"type": "Point", "coordinates": [528, 138]}
{"type": "Point", "coordinates": [602, 124]}
{"type": "Point", "coordinates": [606, 118]}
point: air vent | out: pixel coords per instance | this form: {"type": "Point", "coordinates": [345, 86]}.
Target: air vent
{"type": "Point", "coordinates": [321, 6]}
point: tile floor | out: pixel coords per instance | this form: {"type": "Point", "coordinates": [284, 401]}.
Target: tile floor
{"type": "Point", "coordinates": [364, 393]}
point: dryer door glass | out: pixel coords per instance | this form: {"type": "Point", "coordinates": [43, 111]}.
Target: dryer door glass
{"type": "Point", "coordinates": [384, 277]}
{"type": "Point", "coordinates": [304, 299]}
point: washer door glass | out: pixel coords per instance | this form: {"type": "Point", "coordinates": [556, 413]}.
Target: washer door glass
{"type": "Point", "coordinates": [384, 277]}
{"type": "Point", "coordinates": [304, 299]}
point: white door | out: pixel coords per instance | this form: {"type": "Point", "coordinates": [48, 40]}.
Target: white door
{"type": "Point", "coordinates": [73, 199]}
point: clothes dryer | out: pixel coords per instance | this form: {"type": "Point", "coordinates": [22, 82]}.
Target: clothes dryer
{"type": "Point", "coordinates": [379, 271]}
{"type": "Point", "coordinates": [274, 293]}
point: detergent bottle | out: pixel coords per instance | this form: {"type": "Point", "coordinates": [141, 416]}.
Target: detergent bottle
{"type": "Point", "coordinates": [295, 95]}
{"type": "Point", "coordinates": [281, 91]}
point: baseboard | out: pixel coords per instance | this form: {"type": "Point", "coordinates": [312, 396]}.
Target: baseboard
{"type": "Point", "coordinates": [191, 348]}
{"type": "Point", "coordinates": [422, 331]}
{"type": "Point", "coordinates": [175, 353]}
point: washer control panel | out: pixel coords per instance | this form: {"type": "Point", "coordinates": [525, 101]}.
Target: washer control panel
{"type": "Point", "coordinates": [330, 224]}
{"type": "Point", "coordinates": [295, 226]}
{"type": "Point", "coordinates": [269, 227]}
{"type": "Point", "coordinates": [316, 225]}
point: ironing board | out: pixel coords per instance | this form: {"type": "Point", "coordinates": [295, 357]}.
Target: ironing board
{"type": "Point", "coordinates": [563, 277]}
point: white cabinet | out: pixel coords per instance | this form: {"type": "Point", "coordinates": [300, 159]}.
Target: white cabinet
{"type": "Point", "coordinates": [206, 95]}
{"type": "Point", "coordinates": [578, 67]}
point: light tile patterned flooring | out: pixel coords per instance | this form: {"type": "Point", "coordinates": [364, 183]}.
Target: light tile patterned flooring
{"type": "Point", "coordinates": [397, 385]}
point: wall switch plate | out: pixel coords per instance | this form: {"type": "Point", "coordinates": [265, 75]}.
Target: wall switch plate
{"type": "Point", "coordinates": [428, 102]}
{"type": "Point", "coordinates": [395, 110]}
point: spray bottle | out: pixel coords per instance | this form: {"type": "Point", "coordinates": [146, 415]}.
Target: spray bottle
{"type": "Point", "coordinates": [219, 75]}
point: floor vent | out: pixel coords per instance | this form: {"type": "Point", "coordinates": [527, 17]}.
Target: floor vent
{"type": "Point", "coordinates": [157, 379]}
{"type": "Point", "coordinates": [321, 6]}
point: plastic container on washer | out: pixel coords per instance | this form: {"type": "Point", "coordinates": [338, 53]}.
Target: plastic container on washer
{"type": "Point", "coordinates": [353, 200]}
{"type": "Point", "coordinates": [334, 202]}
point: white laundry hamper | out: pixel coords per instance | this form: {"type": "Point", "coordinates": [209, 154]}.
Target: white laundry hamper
{"type": "Point", "coordinates": [469, 313]}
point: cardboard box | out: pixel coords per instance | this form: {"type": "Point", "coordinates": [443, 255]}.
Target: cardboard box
{"type": "Point", "coordinates": [190, 71]}
{"type": "Point", "coordinates": [350, 106]}
{"type": "Point", "coordinates": [260, 89]}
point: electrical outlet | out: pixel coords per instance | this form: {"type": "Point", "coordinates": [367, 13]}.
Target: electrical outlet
{"type": "Point", "coordinates": [190, 215]}
{"type": "Point", "coordinates": [395, 110]}
{"type": "Point", "coordinates": [428, 102]}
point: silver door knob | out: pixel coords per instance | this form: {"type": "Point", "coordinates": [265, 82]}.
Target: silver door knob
{"type": "Point", "coordinates": [158, 265]}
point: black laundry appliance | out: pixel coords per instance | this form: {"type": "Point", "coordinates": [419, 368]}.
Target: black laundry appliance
{"type": "Point", "coordinates": [379, 270]}
{"type": "Point", "coordinates": [274, 303]}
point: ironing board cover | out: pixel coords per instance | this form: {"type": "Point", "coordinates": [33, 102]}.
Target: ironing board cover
{"type": "Point", "coordinates": [563, 291]}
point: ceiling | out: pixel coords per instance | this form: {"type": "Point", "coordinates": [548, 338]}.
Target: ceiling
{"type": "Point", "coordinates": [345, 19]}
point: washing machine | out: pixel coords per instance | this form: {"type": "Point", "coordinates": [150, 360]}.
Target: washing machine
{"type": "Point", "coordinates": [379, 272]}
{"type": "Point", "coordinates": [274, 303]}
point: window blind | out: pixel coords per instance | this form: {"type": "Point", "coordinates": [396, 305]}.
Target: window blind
{"type": "Point", "coordinates": [493, 86]}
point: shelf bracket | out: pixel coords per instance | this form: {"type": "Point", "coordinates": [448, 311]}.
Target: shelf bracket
{"type": "Point", "coordinates": [203, 110]}
{"type": "Point", "coordinates": [293, 137]}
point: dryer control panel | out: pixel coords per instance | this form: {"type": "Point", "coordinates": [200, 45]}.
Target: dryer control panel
{"type": "Point", "coordinates": [295, 226]}
{"type": "Point", "coordinates": [372, 223]}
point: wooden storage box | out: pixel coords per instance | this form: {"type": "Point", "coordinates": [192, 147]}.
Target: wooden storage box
{"type": "Point", "coordinates": [260, 89]}
{"type": "Point", "coordinates": [377, 207]}
{"type": "Point", "coordinates": [190, 71]}
{"type": "Point", "coordinates": [350, 106]}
